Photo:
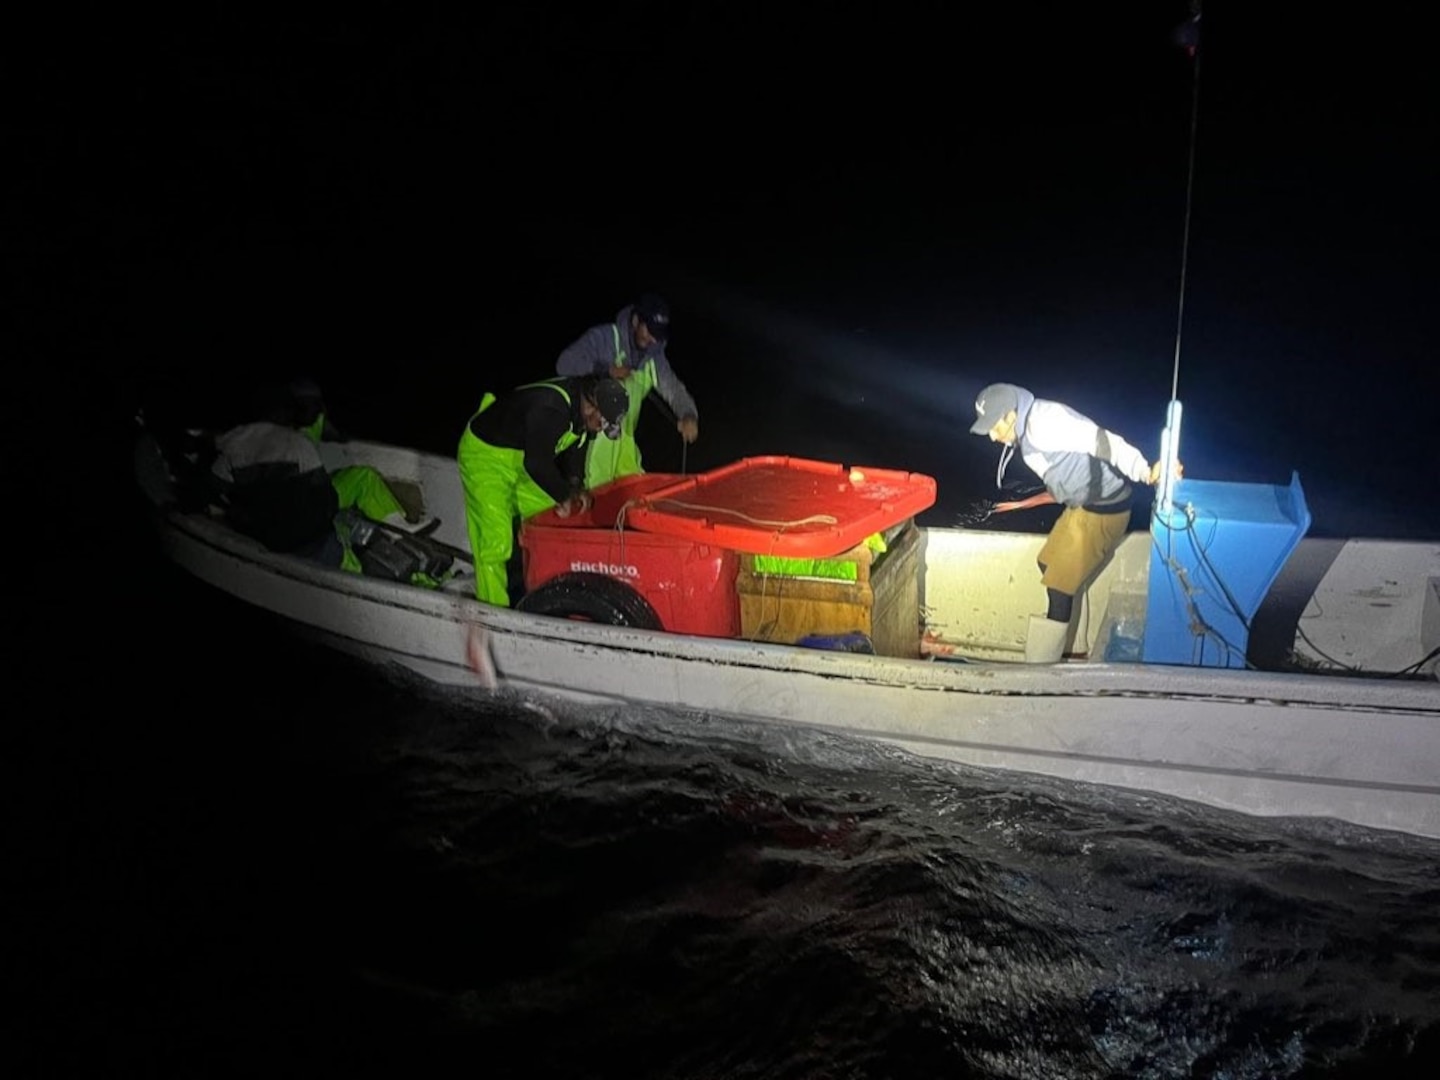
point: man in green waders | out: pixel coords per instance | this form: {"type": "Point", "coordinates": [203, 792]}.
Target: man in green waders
{"type": "Point", "coordinates": [524, 452]}
{"type": "Point", "coordinates": [631, 349]}
{"type": "Point", "coordinates": [270, 477]}
{"type": "Point", "coordinates": [358, 486]}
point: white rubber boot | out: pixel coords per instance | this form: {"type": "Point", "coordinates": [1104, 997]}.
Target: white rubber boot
{"type": "Point", "coordinates": [1045, 642]}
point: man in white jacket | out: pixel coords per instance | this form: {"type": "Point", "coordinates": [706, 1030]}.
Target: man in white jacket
{"type": "Point", "coordinates": [1085, 468]}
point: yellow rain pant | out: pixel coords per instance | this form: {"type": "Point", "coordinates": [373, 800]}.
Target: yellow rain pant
{"type": "Point", "coordinates": [497, 491]}
{"type": "Point", "coordinates": [1079, 542]}
{"type": "Point", "coordinates": [362, 487]}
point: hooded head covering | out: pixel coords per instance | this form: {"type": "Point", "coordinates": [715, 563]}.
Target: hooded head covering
{"type": "Point", "coordinates": [994, 402]}
{"type": "Point", "coordinates": [991, 405]}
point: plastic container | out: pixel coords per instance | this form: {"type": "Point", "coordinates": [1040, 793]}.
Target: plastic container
{"type": "Point", "coordinates": [691, 585]}
{"type": "Point", "coordinates": [787, 506]}
{"type": "Point", "coordinates": [1215, 556]}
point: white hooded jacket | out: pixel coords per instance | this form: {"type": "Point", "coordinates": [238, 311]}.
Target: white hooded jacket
{"type": "Point", "coordinates": [1080, 463]}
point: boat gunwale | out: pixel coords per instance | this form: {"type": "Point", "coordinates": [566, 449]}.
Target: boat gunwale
{"type": "Point", "coordinates": [1080, 679]}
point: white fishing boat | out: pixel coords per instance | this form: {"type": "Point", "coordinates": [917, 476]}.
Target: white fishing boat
{"type": "Point", "coordinates": [1220, 656]}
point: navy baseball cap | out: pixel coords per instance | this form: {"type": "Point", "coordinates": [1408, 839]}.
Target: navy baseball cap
{"type": "Point", "coordinates": [655, 314]}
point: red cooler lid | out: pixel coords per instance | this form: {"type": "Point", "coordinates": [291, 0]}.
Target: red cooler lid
{"type": "Point", "coordinates": [783, 506]}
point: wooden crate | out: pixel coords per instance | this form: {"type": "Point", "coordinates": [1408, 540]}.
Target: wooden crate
{"type": "Point", "coordinates": [883, 602]}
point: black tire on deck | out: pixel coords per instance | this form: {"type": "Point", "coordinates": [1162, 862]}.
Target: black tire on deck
{"type": "Point", "coordinates": [592, 598]}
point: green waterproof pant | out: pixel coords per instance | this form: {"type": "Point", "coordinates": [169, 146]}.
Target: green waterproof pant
{"type": "Point", "coordinates": [364, 488]}
{"type": "Point", "coordinates": [610, 459]}
{"type": "Point", "coordinates": [497, 491]}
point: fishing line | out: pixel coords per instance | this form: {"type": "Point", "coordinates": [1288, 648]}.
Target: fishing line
{"type": "Point", "coordinates": [1189, 208]}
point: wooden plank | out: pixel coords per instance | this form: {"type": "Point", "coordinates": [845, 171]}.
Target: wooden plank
{"type": "Point", "coordinates": [883, 604]}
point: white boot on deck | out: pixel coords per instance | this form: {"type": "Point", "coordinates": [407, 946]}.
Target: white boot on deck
{"type": "Point", "coordinates": [1045, 642]}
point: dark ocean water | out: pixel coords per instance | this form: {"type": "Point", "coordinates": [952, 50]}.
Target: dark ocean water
{"type": "Point", "coordinates": [234, 854]}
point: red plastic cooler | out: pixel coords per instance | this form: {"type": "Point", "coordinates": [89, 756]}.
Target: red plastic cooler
{"type": "Point", "coordinates": [807, 510]}
{"type": "Point", "coordinates": [678, 541]}
{"type": "Point", "coordinates": [786, 506]}
{"type": "Point", "coordinates": [690, 584]}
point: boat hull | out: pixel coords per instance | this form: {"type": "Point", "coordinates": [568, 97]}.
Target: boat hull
{"type": "Point", "coordinates": [1364, 751]}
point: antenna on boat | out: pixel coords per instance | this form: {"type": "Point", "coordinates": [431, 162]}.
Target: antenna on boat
{"type": "Point", "coordinates": [1187, 35]}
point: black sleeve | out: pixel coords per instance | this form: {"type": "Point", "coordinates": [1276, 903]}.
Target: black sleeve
{"type": "Point", "coordinates": [572, 464]}
{"type": "Point", "coordinates": [546, 427]}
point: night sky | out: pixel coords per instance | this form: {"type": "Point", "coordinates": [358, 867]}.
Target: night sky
{"type": "Point", "coordinates": [859, 217]}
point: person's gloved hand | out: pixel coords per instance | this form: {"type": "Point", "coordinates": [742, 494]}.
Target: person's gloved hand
{"type": "Point", "coordinates": [577, 503]}
{"type": "Point", "coordinates": [689, 429]}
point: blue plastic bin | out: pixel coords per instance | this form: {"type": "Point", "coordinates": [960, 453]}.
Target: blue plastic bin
{"type": "Point", "coordinates": [1214, 557]}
